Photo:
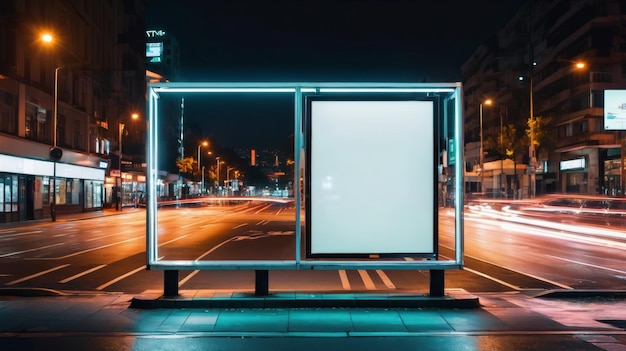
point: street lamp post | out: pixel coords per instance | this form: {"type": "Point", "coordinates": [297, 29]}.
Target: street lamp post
{"type": "Point", "coordinates": [228, 169]}
{"type": "Point", "coordinates": [482, 152]}
{"type": "Point", "coordinates": [55, 153]}
{"type": "Point", "coordinates": [119, 194]}
{"type": "Point", "coordinates": [217, 175]}
{"type": "Point", "coordinates": [202, 182]}
{"type": "Point", "coordinates": [204, 143]}
{"type": "Point", "coordinates": [53, 203]}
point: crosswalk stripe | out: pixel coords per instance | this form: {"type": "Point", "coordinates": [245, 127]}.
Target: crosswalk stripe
{"type": "Point", "coordinates": [345, 283]}
{"type": "Point", "coordinates": [369, 284]}
{"type": "Point", "coordinates": [385, 279]}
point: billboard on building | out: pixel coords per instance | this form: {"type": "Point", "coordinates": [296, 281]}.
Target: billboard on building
{"type": "Point", "coordinates": [154, 51]}
{"type": "Point", "coordinates": [615, 110]}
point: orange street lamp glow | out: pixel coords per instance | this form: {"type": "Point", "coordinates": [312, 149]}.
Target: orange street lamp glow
{"type": "Point", "coordinates": [580, 65]}
{"type": "Point", "coordinates": [47, 38]}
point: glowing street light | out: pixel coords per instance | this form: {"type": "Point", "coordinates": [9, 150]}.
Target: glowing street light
{"type": "Point", "coordinates": [204, 143]}
{"type": "Point", "coordinates": [47, 37]}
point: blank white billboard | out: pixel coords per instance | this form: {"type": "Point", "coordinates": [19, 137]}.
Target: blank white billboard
{"type": "Point", "coordinates": [371, 177]}
{"type": "Point", "coordinates": [615, 110]}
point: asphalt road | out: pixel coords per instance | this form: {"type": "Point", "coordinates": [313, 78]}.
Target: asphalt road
{"type": "Point", "coordinates": [503, 253]}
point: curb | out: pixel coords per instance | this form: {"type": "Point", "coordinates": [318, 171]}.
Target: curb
{"type": "Point", "coordinates": [242, 300]}
{"type": "Point", "coordinates": [31, 292]}
{"type": "Point", "coordinates": [581, 293]}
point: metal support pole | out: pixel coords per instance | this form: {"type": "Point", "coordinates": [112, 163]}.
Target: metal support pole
{"type": "Point", "coordinates": [53, 203]}
{"type": "Point", "coordinates": [261, 283]}
{"type": "Point", "coordinates": [482, 152]}
{"type": "Point", "coordinates": [170, 283]}
{"type": "Point", "coordinates": [120, 190]}
{"type": "Point", "coordinates": [217, 174]}
{"type": "Point", "coordinates": [437, 283]}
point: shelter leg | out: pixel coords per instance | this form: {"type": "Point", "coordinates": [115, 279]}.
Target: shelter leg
{"type": "Point", "coordinates": [170, 283]}
{"type": "Point", "coordinates": [437, 283]}
{"type": "Point", "coordinates": [261, 283]}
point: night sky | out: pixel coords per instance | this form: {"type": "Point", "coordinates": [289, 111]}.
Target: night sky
{"type": "Point", "coordinates": [394, 41]}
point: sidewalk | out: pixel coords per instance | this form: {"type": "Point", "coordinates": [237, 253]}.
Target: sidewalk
{"type": "Point", "coordinates": [512, 321]}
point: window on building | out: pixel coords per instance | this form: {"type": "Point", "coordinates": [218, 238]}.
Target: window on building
{"type": "Point", "coordinates": [597, 98]}
{"type": "Point", "coordinates": [35, 123]}
{"type": "Point", "coordinates": [580, 127]}
{"type": "Point", "coordinates": [8, 113]}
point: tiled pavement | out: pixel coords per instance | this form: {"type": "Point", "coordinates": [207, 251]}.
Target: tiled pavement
{"type": "Point", "coordinates": [502, 321]}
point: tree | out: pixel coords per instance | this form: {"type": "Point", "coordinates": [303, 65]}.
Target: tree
{"type": "Point", "coordinates": [508, 144]}
{"type": "Point", "coordinates": [185, 165]}
{"type": "Point", "coordinates": [537, 131]}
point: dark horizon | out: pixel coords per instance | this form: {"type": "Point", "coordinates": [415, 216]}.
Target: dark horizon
{"type": "Point", "coordinates": [239, 41]}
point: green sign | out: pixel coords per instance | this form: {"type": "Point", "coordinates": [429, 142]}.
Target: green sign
{"type": "Point", "coordinates": [451, 152]}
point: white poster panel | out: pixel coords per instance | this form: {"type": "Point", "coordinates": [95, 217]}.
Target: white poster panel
{"type": "Point", "coordinates": [615, 110]}
{"type": "Point", "coordinates": [372, 185]}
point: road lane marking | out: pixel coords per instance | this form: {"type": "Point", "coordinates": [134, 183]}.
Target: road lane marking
{"type": "Point", "coordinates": [37, 274]}
{"type": "Point", "coordinates": [81, 274]}
{"type": "Point", "coordinates": [277, 212]}
{"type": "Point", "coordinates": [187, 278]}
{"type": "Point", "coordinates": [85, 251]}
{"type": "Point", "coordinates": [241, 225]}
{"type": "Point", "coordinates": [104, 236]}
{"type": "Point", "coordinates": [19, 234]}
{"type": "Point", "coordinates": [263, 222]}
{"type": "Point", "coordinates": [216, 247]}
{"type": "Point", "coordinates": [31, 250]}
{"type": "Point", "coordinates": [589, 264]}
{"type": "Point", "coordinates": [502, 282]}
{"type": "Point", "coordinates": [345, 283]}
{"type": "Point", "coordinates": [111, 282]}
{"type": "Point", "coordinates": [175, 239]}
{"type": "Point", "coordinates": [369, 284]}
{"type": "Point", "coordinates": [514, 271]}
{"type": "Point", "coordinates": [385, 279]}
{"type": "Point", "coordinates": [262, 209]}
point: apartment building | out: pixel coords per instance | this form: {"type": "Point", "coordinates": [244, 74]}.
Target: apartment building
{"type": "Point", "coordinates": [63, 99]}
{"type": "Point", "coordinates": [532, 68]}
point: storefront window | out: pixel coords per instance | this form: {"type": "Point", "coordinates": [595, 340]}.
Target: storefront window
{"type": "Point", "coordinates": [60, 187]}
{"type": "Point", "coordinates": [45, 190]}
{"type": "Point", "coordinates": [93, 194]}
{"type": "Point", "coordinates": [8, 193]}
{"type": "Point", "coordinates": [2, 194]}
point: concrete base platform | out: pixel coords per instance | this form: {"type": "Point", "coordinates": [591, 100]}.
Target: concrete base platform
{"type": "Point", "coordinates": [453, 299]}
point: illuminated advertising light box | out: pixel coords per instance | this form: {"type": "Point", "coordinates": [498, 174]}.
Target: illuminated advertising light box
{"type": "Point", "coordinates": [370, 176]}
{"type": "Point", "coordinates": [154, 49]}
{"type": "Point", "coordinates": [615, 110]}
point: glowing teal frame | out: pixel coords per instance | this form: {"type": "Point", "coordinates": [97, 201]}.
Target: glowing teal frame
{"type": "Point", "coordinates": [454, 91]}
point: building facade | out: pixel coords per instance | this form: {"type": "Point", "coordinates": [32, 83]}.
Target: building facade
{"type": "Point", "coordinates": [70, 94]}
{"type": "Point", "coordinates": [529, 72]}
